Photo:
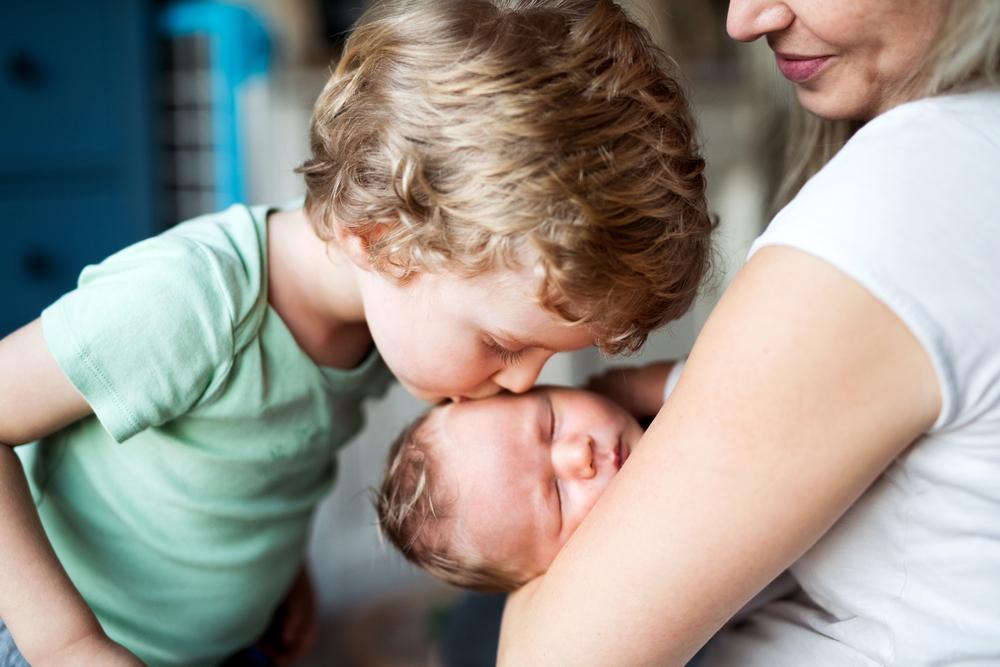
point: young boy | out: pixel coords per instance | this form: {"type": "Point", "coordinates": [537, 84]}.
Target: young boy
{"type": "Point", "coordinates": [492, 181]}
{"type": "Point", "coordinates": [483, 494]}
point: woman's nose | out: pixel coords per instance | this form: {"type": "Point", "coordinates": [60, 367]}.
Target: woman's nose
{"type": "Point", "coordinates": [573, 457]}
{"type": "Point", "coordinates": [750, 19]}
{"type": "Point", "coordinates": [520, 377]}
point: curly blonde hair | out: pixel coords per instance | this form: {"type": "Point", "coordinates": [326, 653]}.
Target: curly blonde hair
{"type": "Point", "coordinates": [413, 514]}
{"type": "Point", "coordinates": [462, 135]}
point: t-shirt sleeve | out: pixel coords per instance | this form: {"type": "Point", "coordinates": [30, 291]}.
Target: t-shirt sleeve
{"type": "Point", "coordinates": [146, 334]}
{"type": "Point", "coordinates": [673, 377]}
{"type": "Point", "coordinates": [908, 210]}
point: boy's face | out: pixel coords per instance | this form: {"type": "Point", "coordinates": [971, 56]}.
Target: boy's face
{"type": "Point", "coordinates": [447, 336]}
{"type": "Point", "coordinates": [527, 469]}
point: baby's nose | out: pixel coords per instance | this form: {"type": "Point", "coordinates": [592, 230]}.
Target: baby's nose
{"type": "Point", "coordinates": [573, 456]}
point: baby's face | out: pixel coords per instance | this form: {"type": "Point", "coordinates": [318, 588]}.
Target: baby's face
{"type": "Point", "coordinates": [526, 469]}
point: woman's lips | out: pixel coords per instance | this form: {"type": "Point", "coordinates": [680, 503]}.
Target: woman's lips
{"type": "Point", "coordinates": [800, 68]}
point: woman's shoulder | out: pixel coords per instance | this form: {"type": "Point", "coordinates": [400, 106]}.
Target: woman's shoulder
{"type": "Point", "coordinates": [908, 210]}
{"type": "Point", "coordinates": [898, 187]}
{"type": "Point", "coordinates": [911, 161]}
{"type": "Point", "coordinates": [969, 108]}
{"type": "Point", "coordinates": [926, 134]}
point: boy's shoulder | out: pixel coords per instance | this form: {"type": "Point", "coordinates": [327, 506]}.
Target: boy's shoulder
{"type": "Point", "coordinates": [218, 259]}
{"type": "Point", "coordinates": [234, 239]}
{"type": "Point", "coordinates": [178, 306]}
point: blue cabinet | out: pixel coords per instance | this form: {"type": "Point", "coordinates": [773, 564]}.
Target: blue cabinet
{"type": "Point", "coordinates": [77, 143]}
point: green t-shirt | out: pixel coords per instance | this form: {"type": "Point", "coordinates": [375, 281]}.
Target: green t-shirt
{"type": "Point", "coordinates": [181, 510]}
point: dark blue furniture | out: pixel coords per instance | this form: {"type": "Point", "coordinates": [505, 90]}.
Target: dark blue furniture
{"type": "Point", "coordinates": [77, 143]}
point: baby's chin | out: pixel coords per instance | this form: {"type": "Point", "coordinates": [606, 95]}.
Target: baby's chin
{"type": "Point", "coordinates": [533, 570]}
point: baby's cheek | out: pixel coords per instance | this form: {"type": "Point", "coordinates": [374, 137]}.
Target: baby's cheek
{"type": "Point", "coordinates": [583, 502]}
{"type": "Point", "coordinates": [547, 554]}
{"type": "Point", "coordinates": [571, 521]}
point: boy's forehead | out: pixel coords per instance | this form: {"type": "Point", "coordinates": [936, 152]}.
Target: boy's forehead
{"type": "Point", "coordinates": [559, 337]}
{"type": "Point", "coordinates": [505, 301]}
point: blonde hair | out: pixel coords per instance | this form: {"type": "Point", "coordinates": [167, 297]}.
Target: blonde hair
{"type": "Point", "coordinates": [413, 514]}
{"type": "Point", "coordinates": [965, 56]}
{"type": "Point", "coordinates": [463, 135]}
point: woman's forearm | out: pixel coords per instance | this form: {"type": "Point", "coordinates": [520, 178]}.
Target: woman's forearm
{"type": "Point", "coordinates": [774, 432]}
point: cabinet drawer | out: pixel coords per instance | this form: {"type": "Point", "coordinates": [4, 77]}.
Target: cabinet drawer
{"type": "Point", "coordinates": [66, 71]}
{"type": "Point", "coordinates": [45, 241]}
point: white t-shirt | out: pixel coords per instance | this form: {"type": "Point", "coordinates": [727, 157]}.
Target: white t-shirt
{"type": "Point", "coordinates": [910, 575]}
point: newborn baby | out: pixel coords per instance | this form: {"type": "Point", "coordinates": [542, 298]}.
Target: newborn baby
{"type": "Point", "coordinates": [483, 494]}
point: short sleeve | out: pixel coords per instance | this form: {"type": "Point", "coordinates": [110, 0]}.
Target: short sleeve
{"type": "Point", "coordinates": [673, 377]}
{"type": "Point", "coordinates": [908, 209]}
{"type": "Point", "coordinates": [148, 332]}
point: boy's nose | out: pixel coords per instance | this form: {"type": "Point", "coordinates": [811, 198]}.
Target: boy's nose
{"type": "Point", "coordinates": [749, 19]}
{"type": "Point", "coordinates": [521, 377]}
{"type": "Point", "coordinates": [573, 457]}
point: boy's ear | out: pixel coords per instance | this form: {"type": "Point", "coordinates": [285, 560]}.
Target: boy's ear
{"type": "Point", "coordinates": [354, 245]}
{"type": "Point", "coordinates": [356, 242]}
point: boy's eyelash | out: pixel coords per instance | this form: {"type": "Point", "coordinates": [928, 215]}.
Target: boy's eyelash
{"type": "Point", "coordinates": [509, 357]}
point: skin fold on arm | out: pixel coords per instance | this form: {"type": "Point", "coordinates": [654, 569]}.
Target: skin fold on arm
{"type": "Point", "coordinates": [801, 389]}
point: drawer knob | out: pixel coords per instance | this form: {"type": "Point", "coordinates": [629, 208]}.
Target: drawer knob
{"type": "Point", "coordinates": [37, 264]}
{"type": "Point", "coordinates": [25, 70]}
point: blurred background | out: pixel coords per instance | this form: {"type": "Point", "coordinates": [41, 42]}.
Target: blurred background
{"type": "Point", "coordinates": [120, 118]}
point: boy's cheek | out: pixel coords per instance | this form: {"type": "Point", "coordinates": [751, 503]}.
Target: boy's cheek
{"type": "Point", "coordinates": [433, 379]}
{"type": "Point", "coordinates": [414, 390]}
{"type": "Point", "coordinates": [421, 394]}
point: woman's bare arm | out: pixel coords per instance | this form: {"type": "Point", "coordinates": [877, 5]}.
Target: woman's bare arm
{"type": "Point", "coordinates": [800, 390]}
{"type": "Point", "coordinates": [46, 615]}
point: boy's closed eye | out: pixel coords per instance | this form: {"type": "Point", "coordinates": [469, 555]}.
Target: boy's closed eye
{"type": "Point", "coordinates": [509, 357]}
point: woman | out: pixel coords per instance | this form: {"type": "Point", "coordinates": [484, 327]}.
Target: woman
{"type": "Point", "coordinates": [840, 412]}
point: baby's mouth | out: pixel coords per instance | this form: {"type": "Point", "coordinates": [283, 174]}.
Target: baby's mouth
{"type": "Point", "coordinates": [621, 454]}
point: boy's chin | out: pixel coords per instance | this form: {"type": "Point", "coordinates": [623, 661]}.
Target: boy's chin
{"type": "Point", "coordinates": [434, 398]}
{"type": "Point", "coordinates": [421, 394]}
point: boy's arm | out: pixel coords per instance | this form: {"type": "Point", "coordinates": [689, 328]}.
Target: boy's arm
{"type": "Point", "coordinates": [801, 389]}
{"type": "Point", "coordinates": [638, 389]}
{"type": "Point", "coordinates": [46, 615]}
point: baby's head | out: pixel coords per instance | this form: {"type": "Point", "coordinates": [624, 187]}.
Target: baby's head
{"type": "Point", "coordinates": [483, 494]}
{"type": "Point", "coordinates": [545, 138]}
